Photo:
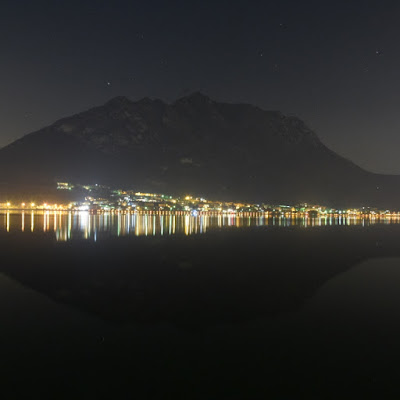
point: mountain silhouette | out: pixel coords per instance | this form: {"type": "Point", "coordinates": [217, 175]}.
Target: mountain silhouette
{"type": "Point", "coordinates": [194, 145]}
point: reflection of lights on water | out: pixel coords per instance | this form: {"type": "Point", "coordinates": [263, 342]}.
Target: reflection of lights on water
{"type": "Point", "coordinates": [69, 225]}
{"type": "Point", "coordinates": [66, 224]}
{"type": "Point", "coordinates": [137, 226]}
{"type": "Point", "coordinates": [187, 225]}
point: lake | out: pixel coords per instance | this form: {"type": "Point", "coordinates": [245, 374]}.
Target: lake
{"type": "Point", "coordinates": [84, 225]}
{"type": "Point", "coordinates": [244, 310]}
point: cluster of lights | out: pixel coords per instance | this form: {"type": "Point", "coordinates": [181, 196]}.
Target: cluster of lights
{"type": "Point", "coordinates": [34, 206]}
{"type": "Point", "coordinates": [132, 202]}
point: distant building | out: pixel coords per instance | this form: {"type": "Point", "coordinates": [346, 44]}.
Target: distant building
{"type": "Point", "coordinates": [64, 186]}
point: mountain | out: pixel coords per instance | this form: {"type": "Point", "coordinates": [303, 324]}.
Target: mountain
{"type": "Point", "coordinates": [195, 145]}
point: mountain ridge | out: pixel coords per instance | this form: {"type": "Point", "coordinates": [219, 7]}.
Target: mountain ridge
{"type": "Point", "coordinates": [197, 145]}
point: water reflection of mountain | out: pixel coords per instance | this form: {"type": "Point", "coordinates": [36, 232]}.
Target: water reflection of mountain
{"type": "Point", "coordinates": [224, 276]}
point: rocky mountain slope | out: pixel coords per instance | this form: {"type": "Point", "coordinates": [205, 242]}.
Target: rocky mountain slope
{"type": "Point", "coordinates": [195, 145]}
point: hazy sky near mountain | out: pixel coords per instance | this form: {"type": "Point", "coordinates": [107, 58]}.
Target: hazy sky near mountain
{"type": "Point", "coordinates": [335, 64]}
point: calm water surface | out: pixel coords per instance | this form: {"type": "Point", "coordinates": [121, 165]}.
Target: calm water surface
{"type": "Point", "coordinates": [266, 313]}
{"type": "Point", "coordinates": [83, 225]}
{"type": "Point", "coordinates": [343, 342]}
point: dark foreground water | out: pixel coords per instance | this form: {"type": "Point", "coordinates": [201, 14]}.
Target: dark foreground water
{"type": "Point", "coordinates": [262, 312]}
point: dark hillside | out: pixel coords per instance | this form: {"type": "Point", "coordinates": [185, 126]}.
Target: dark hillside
{"type": "Point", "coordinates": [196, 145]}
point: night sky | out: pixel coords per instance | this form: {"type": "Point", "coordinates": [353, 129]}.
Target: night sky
{"type": "Point", "coordinates": [335, 64]}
